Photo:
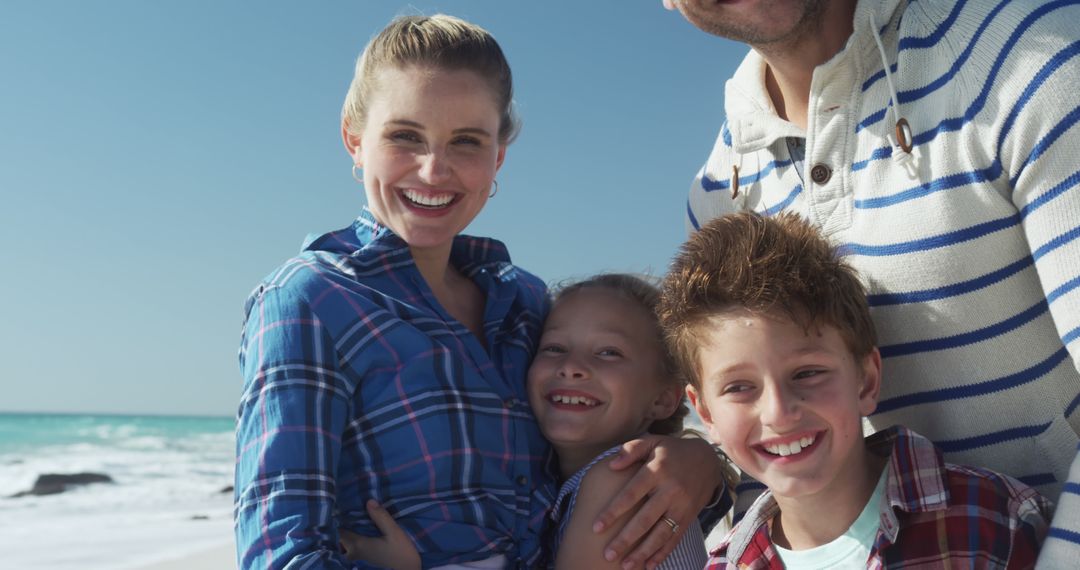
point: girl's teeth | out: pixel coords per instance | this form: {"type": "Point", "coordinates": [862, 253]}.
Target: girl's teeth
{"type": "Point", "coordinates": [575, 400]}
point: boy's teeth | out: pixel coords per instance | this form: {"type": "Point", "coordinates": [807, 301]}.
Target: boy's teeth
{"type": "Point", "coordinates": [790, 448]}
{"type": "Point", "coordinates": [428, 200]}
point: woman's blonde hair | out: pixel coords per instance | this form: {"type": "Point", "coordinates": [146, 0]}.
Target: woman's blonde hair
{"type": "Point", "coordinates": [438, 42]}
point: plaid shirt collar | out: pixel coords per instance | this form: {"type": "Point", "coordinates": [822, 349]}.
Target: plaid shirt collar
{"type": "Point", "coordinates": [468, 254]}
{"type": "Point", "coordinates": [915, 483]}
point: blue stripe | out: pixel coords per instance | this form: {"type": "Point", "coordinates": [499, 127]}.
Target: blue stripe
{"type": "Point", "coordinates": [874, 79]}
{"type": "Point", "coordinates": [973, 390]}
{"type": "Point", "coordinates": [955, 445]}
{"type": "Point", "coordinates": [1070, 487]}
{"type": "Point", "coordinates": [873, 118]}
{"type": "Point", "coordinates": [954, 290]}
{"type": "Point", "coordinates": [785, 202]}
{"type": "Point", "coordinates": [1038, 479]}
{"type": "Point", "coordinates": [1063, 289]}
{"type": "Point", "coordinates": [1063, 534]}
{"type": "Point", "coordinates": [958, 63]}
{"type": "Point", "coordinates": [1070, 336]}
{"type": "Point", "coordinates": [1072, 407]}
{"type": "Point", "coordinates": [944, 183]}
{"type": "Point", "coordinates": [1056, 243]}
{"type": "Point", "coordinates": [725, 134]}
{"type": "Point", "coordinates": [690, 216]}
{"type": "Point", "coordinates": [933, 242]}
{"type": "Point", "coordinates": [1055, 133]}
{"type": "Point", "coordinates": [955, 123]}
{"type": "Point", "coordinates": [878, 154]}
{"type": "Point", "coordinates": [1037, 81]}
{"type": "Point", "coordinates": [710, 185]}
{"type": "Point", "coordinates": [1045, 72]}
{"type": "Point", "coordinates": [915, 42]}
{"type": "Point", "coordinates": [916, 94]}
{"type": "Point", "coordinates": [1070, 181]}
{"type": "Point", "coordinates": [967, 338]}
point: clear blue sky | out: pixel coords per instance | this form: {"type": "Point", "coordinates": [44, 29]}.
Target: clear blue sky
{"type": "Point", "coordinates": [158, 158]}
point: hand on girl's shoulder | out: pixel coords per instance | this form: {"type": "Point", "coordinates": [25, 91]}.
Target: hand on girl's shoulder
{"type": "Point", "coordinates": [580, 546]}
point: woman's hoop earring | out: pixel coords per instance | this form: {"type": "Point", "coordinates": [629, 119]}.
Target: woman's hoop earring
{"type": "Point", "coordinates": [357, 177]}
{"type": "Point", "coordinates": [494, 183]}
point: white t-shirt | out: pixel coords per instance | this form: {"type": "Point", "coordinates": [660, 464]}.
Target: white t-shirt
{"type": "Point", "coordinates": [849, 550]}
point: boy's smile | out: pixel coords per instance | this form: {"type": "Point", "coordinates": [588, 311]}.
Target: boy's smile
{"type": "Point", "coordinates": [786, 403]}
{"type": "Point", "coordinates": [788, 446]}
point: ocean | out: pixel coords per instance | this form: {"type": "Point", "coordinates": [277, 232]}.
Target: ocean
{"type": "Point", "coordinates": [168, 496]}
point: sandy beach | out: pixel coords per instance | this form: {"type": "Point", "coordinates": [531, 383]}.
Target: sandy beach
{"type": "Point", "coordinates": [217, 558]}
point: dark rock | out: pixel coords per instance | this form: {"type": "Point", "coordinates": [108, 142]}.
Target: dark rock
{"type": "Point", "coordinates": [228, 489]}
{"type": "Point", "coordinates": [53, 483]}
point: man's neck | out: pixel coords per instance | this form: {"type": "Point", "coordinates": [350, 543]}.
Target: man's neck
{"type": "Point", "coordinates": [791, 64]}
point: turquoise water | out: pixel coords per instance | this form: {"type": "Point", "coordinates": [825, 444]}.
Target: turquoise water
{"type": "Point", "coordinates": [20, 433]}
{"type": "Point", "coordinates": [168, 494]}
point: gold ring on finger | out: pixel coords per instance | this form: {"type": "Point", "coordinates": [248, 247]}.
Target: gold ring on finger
{"type": "Point", "coordinates": [671, 522]}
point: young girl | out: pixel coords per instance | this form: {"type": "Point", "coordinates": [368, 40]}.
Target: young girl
{"type": "Point", "coordinates": [601, 377]}
{"type": "Point", "coordinates": [387, 361]}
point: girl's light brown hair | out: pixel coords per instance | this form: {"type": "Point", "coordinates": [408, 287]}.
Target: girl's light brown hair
{"type": "Point", "coordinates": [779, 266]}
{"type": "Point", "coordinates": [436, 42]}
{"type": "Point", "coordinates": [646, 295]}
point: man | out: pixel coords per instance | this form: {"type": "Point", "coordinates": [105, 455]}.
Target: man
{"type": "Point", "coordinates": [936, 142]}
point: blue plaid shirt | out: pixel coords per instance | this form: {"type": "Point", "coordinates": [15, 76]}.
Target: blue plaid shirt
{"type": "Point", "coordinates": [358, 385]}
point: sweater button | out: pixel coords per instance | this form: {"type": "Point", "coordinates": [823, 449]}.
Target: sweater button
{"type": "Point", "coordinates": [820, 173]}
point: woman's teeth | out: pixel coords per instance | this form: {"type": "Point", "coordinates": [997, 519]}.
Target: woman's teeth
{"type": "Point", "coordinates": [561, 399]}
{"type": "Point", "coordinates": [428, 200]}
{"type": "Point", "coordinates": [792, 448]}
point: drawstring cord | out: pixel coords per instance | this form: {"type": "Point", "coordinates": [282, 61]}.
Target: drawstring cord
{"type": "Point", "coordinates": [902, 129]}
{"type": "Point", "coordinates": [735, 178]}
{"type": "Point", "coordinates": [902, 149]}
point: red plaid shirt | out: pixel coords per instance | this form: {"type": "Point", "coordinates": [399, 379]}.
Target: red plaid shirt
{"type": "Point", "coordinates": [934, 515]}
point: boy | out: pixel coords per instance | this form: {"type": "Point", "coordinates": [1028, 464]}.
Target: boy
{"type": "Point", "coordinates": [774, 333]}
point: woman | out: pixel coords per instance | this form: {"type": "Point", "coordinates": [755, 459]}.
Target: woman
{"type": "Point", "coordinates": [387, 361]}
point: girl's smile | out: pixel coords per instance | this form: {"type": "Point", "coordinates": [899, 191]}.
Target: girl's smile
{"type": "Point", "coordinates": [597, 378]}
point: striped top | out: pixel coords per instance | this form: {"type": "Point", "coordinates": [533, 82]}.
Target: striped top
{"type": "Point", "coordinates": [359, 385]}
{"type": "Point", "coordinates": [932, 515]}
{"type": "Point", "coordinates": [968, 246]}
{"type": "Point", "coordinates": [690, 552]}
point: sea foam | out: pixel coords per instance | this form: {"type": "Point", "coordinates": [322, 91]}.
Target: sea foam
{"type": "Point", "coordinates": [166, 499]}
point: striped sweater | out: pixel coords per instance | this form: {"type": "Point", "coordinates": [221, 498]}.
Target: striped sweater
{"type": "Point", "coordinates": [967, 244]}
